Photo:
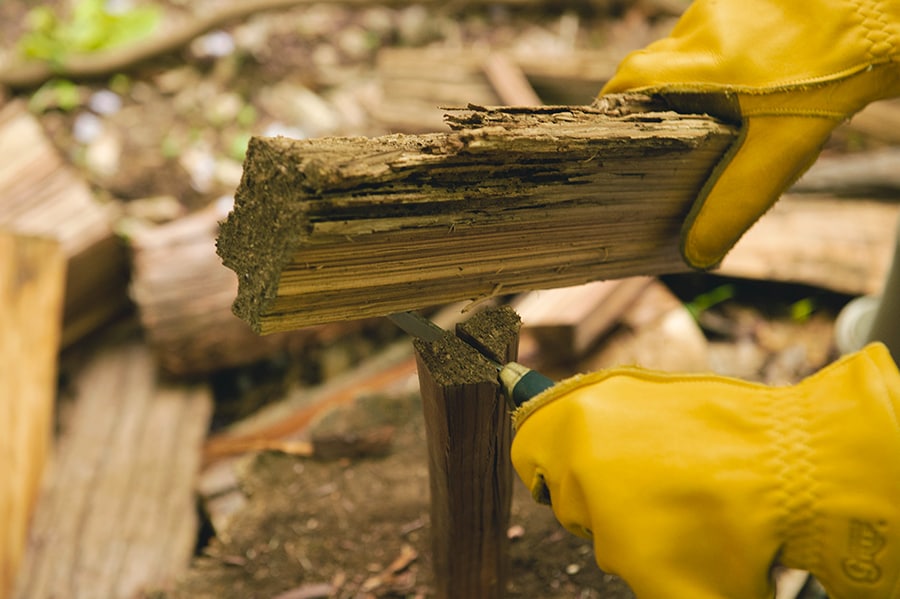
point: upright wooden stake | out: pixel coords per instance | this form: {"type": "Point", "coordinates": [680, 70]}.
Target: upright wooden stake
{"type": "Point", "coordinates": [32, 277]}
{"type": "Point", "coordinates": [468, 430]}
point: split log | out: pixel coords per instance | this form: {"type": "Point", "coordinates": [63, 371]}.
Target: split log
{"type": "Point", "coordinates": [468, 436]}
{"type": "Point", "coordinates": [40, 195]}
{"type": "Point", "coordinates": [32, 276]}
{"type": "Point", "coordinates": [117, 514]}
{"type": "Point", "coordinates": [513, 199]}
{"type": "Point", "coordinates": [845, 245]}
{"type": "Point", "coordinates": [184, 295]}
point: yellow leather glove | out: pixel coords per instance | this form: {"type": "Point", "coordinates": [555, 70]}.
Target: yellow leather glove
{"type": "Point", "coordinates": [788, 71]}
{"type": "Point", "coordinates": [693, 486]}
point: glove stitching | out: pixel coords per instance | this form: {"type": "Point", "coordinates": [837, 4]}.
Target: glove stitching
{"type": "Point", "coordinates": [877, 28]}
{"type": "Point", "coordinates": [798, 493]}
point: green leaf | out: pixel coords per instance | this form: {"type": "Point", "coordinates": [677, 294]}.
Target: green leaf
{"type": "Point", "coordinates": [90, 28]}
{"type": "Point", "coordinates": [707, 300]}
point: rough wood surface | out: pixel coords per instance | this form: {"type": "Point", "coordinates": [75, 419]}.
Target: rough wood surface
{"type": "Point", "coordinates": [468, 436]}
{"type": "Point", "coordinates": [510, 200]}
{"type": "Point", "coordinates": [117, 513]}
{"type": "Point", "coordinates": [840, 244]}
{"type": "Point", "coordinates": [32, 276]}
{"type": "Point", "coordinates": [40, 195]}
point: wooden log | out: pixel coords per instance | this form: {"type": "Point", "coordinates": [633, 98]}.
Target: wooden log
{"type": "Point", "coordinates": [468, 435]}
{"type": "Point", "coordinates": [841, 244]}
{"type": "Point", "coordinates": [32, 276]}
{"type": "Point", "coordinates": [511, 200]}
{"type": "Point", "coordinates": [117, 515]}
{"type": "Point", "coordinates": [41, 195]}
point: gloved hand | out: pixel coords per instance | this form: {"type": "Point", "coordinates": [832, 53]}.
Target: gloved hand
{"type": "Point", "coordinates": [693, 486]}
{"type": "Point", "coordinates": [788, 71]}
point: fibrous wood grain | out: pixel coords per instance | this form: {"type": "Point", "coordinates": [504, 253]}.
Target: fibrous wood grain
{"type": "Point", "coordinates": [32, 276]}
{"type": "Point", "coordinates": [117, 514]}
{"type": "Point", "coordinates": [468, 437]}
{"type": "Point", "coordinates": [511, 200]}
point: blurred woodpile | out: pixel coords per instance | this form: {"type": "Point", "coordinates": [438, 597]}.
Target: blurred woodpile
{"type": "Point", "coordinates": [144, 327]}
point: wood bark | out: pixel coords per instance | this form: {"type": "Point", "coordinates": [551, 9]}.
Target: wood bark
{"type": "Point", "coordinates": [40, 195]}
{"type": "Point", "coordinates": [511, 200]}
{"type": "Point", "coordinates": [468, 436]}
{"type": "Point", "coordinates": [32, 276]}
{"type": "Point", "coordinates": [117, 515]}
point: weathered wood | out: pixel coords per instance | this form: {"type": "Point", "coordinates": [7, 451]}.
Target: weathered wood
{"type": "Point", "coordinates": [117, 514]}
{"type": "Point", "coordinates": [468, 436]}
{"type": "Point", "coordinates": [184, 296]}
{"type": "Point", "coordinates": [40, 195]}
{"type": "Point", "coordinates": [32, 276]}
{"type": "Point", "coordinates": [842, 244]}
{"type": "Point", "coordinates": [511, 200]}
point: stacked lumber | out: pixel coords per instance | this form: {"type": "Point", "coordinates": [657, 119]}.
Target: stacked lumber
{"type": "Point", "coordinates": [41, 195]}
{"type": "Point", "coordinates": [32, 275]}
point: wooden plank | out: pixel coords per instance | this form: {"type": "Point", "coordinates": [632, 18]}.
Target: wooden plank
{"type": "Point", "coordinates": [117, 515]}
{"type": "Point", "coordinates": [32, 276]}
{"type": "Point", "coordinates": [510, 200]}
{"type": "Point", "coordinates": [468, 435]}
{"type": "Point", "coordinates": [840, 244]}
{"type": "Point", "coordinates": [41, 195]}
